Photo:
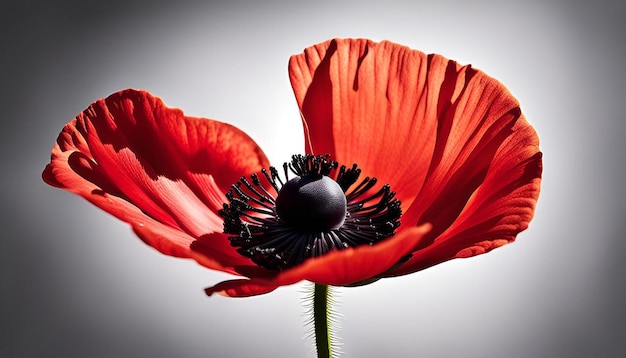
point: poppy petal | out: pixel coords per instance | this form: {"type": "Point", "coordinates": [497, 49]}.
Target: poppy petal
{"type": "Point", "coordinates": [433, 129]}
{"type": "Point", "coordinates": [377, 102]}
{"type": "Point", "coordinates": [500, 208]}
{"type": "Point", "coordinates": [337, 268]}
{"type": "Point", "coordinates": [153, 167]}
{"type": "Point", "coordinates": [215, 252]}
{"type": "Point", "coordinates": [484, 177]}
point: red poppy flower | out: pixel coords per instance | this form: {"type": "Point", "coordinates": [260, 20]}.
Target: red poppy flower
{"type": "Point", "coordinates": [461, 162]}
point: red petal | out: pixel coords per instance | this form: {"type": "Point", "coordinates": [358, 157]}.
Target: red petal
{"type": "Point", "coordinates": [370, 104]}
{"type": "Point", "coordinates": [338, 268]}
{"type": "Point", "coordinates": [215, 252]}
{"type": "Point", "coordinates": [153, 167]}
{"type": "Point", "coordinates": [440, 133]}
{"type": "Point", "coordinates": [500, 208]}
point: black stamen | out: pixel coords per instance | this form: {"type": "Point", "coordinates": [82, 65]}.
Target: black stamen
{"type": "Point", "coordinates": [279, 224]}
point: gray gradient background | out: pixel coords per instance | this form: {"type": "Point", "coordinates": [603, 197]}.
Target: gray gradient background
{"type": "Point", "coordinates": [76, 283]}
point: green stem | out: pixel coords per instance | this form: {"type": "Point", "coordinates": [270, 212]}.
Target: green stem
{"type": "Point", "coordinates": [321, 322]}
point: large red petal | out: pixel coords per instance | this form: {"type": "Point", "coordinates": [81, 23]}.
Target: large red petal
{"type": "Point", "coordinates": [337, 268]}
{"type": "Point", "coordinates": [153, 167]}
{"type": "Point", "coordinates": [438, 132]}
{"type": "Point", "coordinates": [499, 208]}
{"type": "Point", "coordinates": [369, 103]}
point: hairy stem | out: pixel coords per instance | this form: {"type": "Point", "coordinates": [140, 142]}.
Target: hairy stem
{"type": "Point", "coordinates": [321, 321]}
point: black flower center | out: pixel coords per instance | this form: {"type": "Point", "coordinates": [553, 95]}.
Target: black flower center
{"type": "Point", "coordinates": [279, 224]}
{"type": "Point", "coordinates": [312, 203]}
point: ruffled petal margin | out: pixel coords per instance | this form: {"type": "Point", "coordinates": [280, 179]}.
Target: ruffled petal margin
{"type": "Point", "coordinates": [153, 167]}
{"type": "Point", "coordinates": [337, 268]}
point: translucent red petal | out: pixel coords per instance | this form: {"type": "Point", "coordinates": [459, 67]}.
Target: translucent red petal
{"type": "Point", "coordinates": [155, 168]}
{"type": "Point", "coordinates": [450, 140]}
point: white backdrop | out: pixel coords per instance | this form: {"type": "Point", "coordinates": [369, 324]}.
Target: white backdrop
{"type": "Point", "coordinates": [77, 283]}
